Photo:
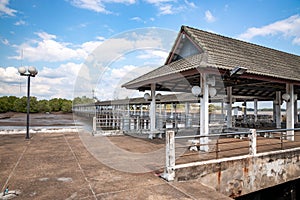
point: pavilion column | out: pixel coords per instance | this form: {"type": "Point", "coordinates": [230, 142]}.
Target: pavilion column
{"type": "Point", "coordinates": [290, 111]}
{"type": "Point", "coordinates": [204, 115]}
{"type": "Point", "coordinates": [278, 109]}
{"type": "Point", "coordinates": [152, 111]}
{"type": "Point", "coordinates": [255, 110]}
{"type": "Point", "coordinates": [245, 112]}
{"type": "Point", "coordinates": [296, 109]}
{"type": "Point", "coordinates": [229, 107]}
{"type": "Point", "coordinates": [129, 118]}
{"type": "Point", "coordinates": [113, 116]}
{"type": "Point", "coordinates": [187, 114]}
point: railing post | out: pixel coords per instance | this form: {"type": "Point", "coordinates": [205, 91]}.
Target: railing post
{"type": "Point", "coordinates": [252, 146]}
{"type": "Point", "coordinates": [169, 172]}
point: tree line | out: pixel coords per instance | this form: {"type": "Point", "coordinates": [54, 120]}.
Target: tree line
{"type": "Point", "coordinates": [16, 104]}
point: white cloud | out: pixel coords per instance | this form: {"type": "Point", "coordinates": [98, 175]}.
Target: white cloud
{"type": "Point", "coordinates": [137, 19]}
{"type": "Point", "coordinates": [168, 7]}
{"type": "Point", "coordinates": [20, 23]}
{"type": "Point", "coordinates": [49, 83]}
{"type": "Point", "coordinates": [209, 17]}
{"type": "Point", "coordinates": [8, 75]}
{"type": "Point", "coordinates": [154, 54]}
{"type": "Point", "coordinates": [5, 10]}
{"type": "Point", "coordinates": [289, 27]}
{"type": "Point", "coordinates": [109, 87]}
{"type": "Point", "coordinates": [57, 82]}
{"type": "Point", "coordinates": [98, 5]}
{"type": "Point", "coordinates": [158, 1]}
{"type": "Point", "coordinates": [47, 48]}
{"type": "Point", "coordinates": [190, 4]}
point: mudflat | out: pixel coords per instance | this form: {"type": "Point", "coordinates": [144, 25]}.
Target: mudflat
{"type": "Point", "coordinates": [36, 119]}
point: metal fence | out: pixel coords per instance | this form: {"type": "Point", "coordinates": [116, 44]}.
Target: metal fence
{"type": "Point", "coordinates": [185, 150]}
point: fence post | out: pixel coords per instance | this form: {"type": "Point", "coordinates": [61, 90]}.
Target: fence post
{"type": "Point", "coordinates": [169, 172]}
{"type": "Point", "coordinates": [94, 125]}
{"type": "Point", "coordinates": [252, 146]}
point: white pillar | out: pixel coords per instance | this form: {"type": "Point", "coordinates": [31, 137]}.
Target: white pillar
{"type": "Point", "coordinates": [245, 112]}
{"type": "Point", "coordinates": [278, 109]}
{"type": "Point", "coordinates": [255, 110]}
{"type": "Point", "coordinates": [296, 110]}
{"type": "Point", "coordinates": [253, 142]}
{"type": "Point", "coordinates": [229, 107]}
{"type": "Point", "coordinates": [169, 172]}
{"type": "Point", "coordinates": [152, 111]}
{"type": "Point", "coordinates": [290, 111]}
{"type": "Point", "coordinates": [187, 114]}
{"type": "Point", "coordinates": [204, 115]}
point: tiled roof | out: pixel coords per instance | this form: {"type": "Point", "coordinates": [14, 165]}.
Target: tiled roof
{"type": "Point", "coordinates": [226, 53]}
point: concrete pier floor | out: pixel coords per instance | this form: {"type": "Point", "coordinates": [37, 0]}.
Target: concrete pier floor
{"type": "Point", "coordinates": [58, 166]}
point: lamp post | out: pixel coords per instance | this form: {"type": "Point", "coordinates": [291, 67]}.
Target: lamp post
{"type": "Point", "coordinates": [30, 72]}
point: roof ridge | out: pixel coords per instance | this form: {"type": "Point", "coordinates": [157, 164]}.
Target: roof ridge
{"type": "Point", "coordinates": [186, 29]}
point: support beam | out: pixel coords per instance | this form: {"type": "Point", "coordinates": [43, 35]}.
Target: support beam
{"type": "Point", "coordinates": [278, 109]}
{"type": "Point", "coordinates": [187, 114]}
{"type": "Point", "coordinates": [255, 110]}
{"type": "Point", "coordinates": [290, 111]}
{"type": "Point", "coordinates": [152, 111]}
{"type": "Point", "coordinates": [296, 110]}
{"type": "Point", "coordinates": [229, 107]}
{"type": "Point", "coordinates": [245, 112]}
{"type": "Point", "coordinates": [204, 115]}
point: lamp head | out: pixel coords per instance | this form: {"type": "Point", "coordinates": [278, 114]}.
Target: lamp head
{"type": "Point", "coordinates": [212, 92]}
{"type": "Point", "coordinates": [22, 70]}
{"type": "Point", "coordinates": [286, 97]}
{"type": "Point", "coordinates": [32, 70]}
{"type": "Point", "coordinates": [196, 90]}
{"type": "Point", "coordinates": [147, 96]}
{"type": "Point", "coordinates": [158, 97]}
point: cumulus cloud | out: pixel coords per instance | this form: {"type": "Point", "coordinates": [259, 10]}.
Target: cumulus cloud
{"type": "Point", "coordinates": [109, 86]}
{"type": "Point", "coordinates": [97, 5]}
{"type": "Point", "coordinates": [5, 10]}
{"type": "Point", "coordinates": [57, 82]}
{"type": "Point", "coordinates": [289, 27]}
{"type": "Point", "coordinates": [47, 48]}
{"type": "Point", "coordinates": [209, 17]}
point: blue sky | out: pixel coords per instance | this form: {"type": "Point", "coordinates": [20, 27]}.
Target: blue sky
{"type": "Point", "coordinates": [57, 36]}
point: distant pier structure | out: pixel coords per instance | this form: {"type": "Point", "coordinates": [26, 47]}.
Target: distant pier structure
{"type": "Point", "coordinates": [202, 78]}
{"type": "Point", "coordinates": [207, 69]}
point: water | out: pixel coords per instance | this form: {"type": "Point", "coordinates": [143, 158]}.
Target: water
{"type": "Point", "coordinates": [286, 191]}
{"type": "Point", "coordinates": [39, 123]}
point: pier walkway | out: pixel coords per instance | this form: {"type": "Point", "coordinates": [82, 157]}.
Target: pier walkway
{"type": "Point", "coordinates": [58, 166]}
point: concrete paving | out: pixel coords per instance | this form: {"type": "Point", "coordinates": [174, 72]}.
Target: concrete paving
{"type": "Point", "coordinates": [58, 166]}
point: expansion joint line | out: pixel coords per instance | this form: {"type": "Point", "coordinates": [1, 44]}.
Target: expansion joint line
{"type": "Point", "coordinates": [17, 163]}
{"type": "Point", "coordinates": [183, 192]}
{"type": "Point", "coordinates": [75, 157]}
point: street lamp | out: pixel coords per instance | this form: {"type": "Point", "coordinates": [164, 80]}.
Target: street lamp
{"type": "Point", "coordinates": [31, 72]}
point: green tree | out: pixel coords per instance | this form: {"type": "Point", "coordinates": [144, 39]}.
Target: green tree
{"type": "Point", "coordinates": [20, 104]}
{"type": "Point", "coordinates": [33, 105]}
{"type": "Point", "coordinates": [43, 106]}
{"type": "Point", "coordinates": [66, 106]}
{"type": "Point", "coordinates": [83, 100]}
{"type": "Point", "coordinates": [55, 104]}
{"type": "Point", "coordinates": [4, 105]}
